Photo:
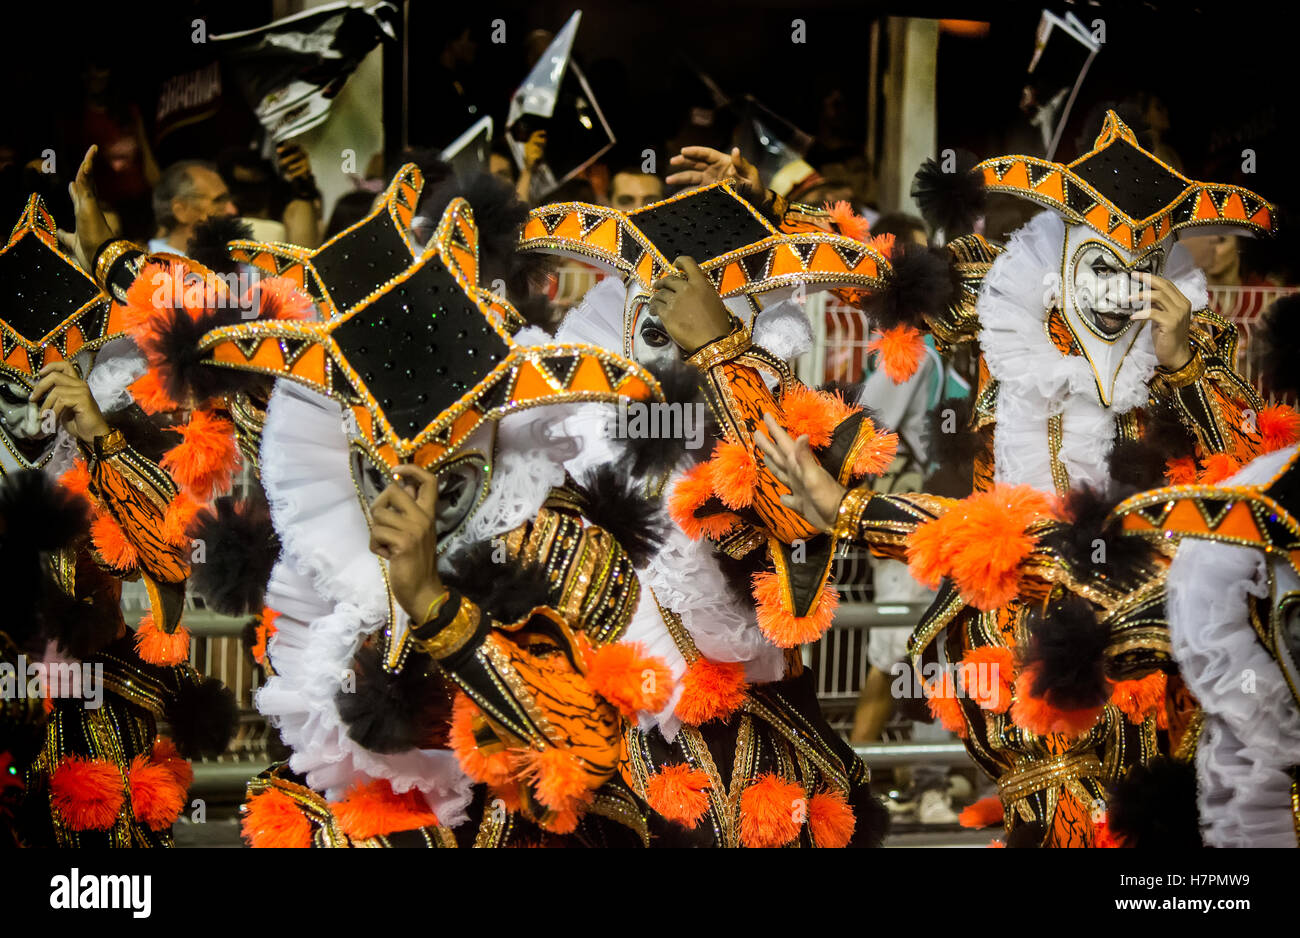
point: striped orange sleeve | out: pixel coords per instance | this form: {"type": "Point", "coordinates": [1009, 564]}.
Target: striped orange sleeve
{"type": "Point", "coordinates": [137, 491]}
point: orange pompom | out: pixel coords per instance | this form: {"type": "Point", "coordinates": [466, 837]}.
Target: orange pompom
{"type": "Point", "coordinates": [158, 289]}
{"type": "Point", "coordinates": [732, 474]}
{"type": "Point", "coordinates": [490, 768]}
{"type": "Point", "coordinates": [1216, 467]}
{"type": "Point", "coordinates": [690, 492]}
{"type": "Point", "coordinates": [1181, 471]}
{"type": "Point", "coordinates": [811, 413]}
{"type": "Point", "coordinates": [157, 797]}
{"type": "Point", "coordinates": [279, 298]}
{"type": "Point", "coordinates": [986, 675]}
{"type": "Point", "coordinates": [262, 634]}
{"type": "Point", "coordinates": [876, 452]}
{"type": "Point", "coordinates": [980, 543]}
{"type": "Point", "coordinates": [77, 479]}
{"type": "Point", "coordinates": [768, 811]}
{"type": "Point", "coordinates": [165, 754]}
{"type": "Point", "coordinates": [1040, 717]}
{"type": "Point", "coordinates": [678, 792]}
{"type": "Point", "coordinates": [901, 350]}
{"type": "Point", "coordinates": [1279, 425]}
{"type": "Point", "coordinates": [87, 793]}
{"type": "Point", "coordinates": [112, 544]}
{"type": "Point", "coordinates": [944, 706]}
{"type": "Point", "coordinates": [711, 690]}
{"type": "Point", "coordinates": [154, 646]}
{"type": "Point", "coordinates": [557, 776]}
{"type": "Point", "coordinates": [180, 512]}
{"type": "Point", "coordinates": [564, 821]}
{"type": "Point", "coordinates": [831, 820]}
{"type": "Point", "coordinates": [273, 819]}
{"type": "Point", "coordinates": [150, 395]}
{"type": "Point", "coordinates": [204, 462]}
{"type": "Point", "coordinates": [884, 245]}
{"type": "Point", "coordinates": [624, 675]}
{"type": "Point", "coordinates": [850, 223]}
{"type": "Point", "coordinates": [781, 626]}
{"type": "Point", "coordinates": [374, 810]}
{"type": "Point", "coordinates": [983, 813]}
{"type": "Point", "coordinates": [1140, 698]}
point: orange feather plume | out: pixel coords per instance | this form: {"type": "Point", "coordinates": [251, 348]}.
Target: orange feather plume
{"type": "Point", "coordinates": [204, 462]}
{"type": "Point", "coordinates": [768, 811]}
{"type": "Point", "coordinates": [272, 819]}
{"type": "Point", "coordinates": [77, 479]}
{"type": "Point", "coordinates": [901, 350]}
{"type": "Point", "coordinates": [831, 820]}
{"type": "Point", "coordinates": [983, 813]}
{"type": "Point", "coordinates": [628, 678]}
{"type": "Point", "coordinates": [1040, 717]}
{"type": "Point", "coordinates": [1216, 467]}
{"type": "Point", "coordinates": [262, 634]}
{"type": "Point", "coordinates": [112, 543]}
{"type": "Point", "coordinates": [850, 223]}
{"type": "Point", "coordinates": [811, 413]}
{"type": "Point", "coordinates": [164, 753]}
{"type": "Point", "coordinates": [374, 810]}
{"type": "Point", "coordinates": [942, 700]}
{"type": "Point", "coordinates": [1140, 698]}
{"type": "Point", "coordinates": [180, 512]}
{"type": "Point", "coordinates": [691, 491]}
{"type": "Point", "coordinates": [279, 298]}
{"type": "Point", "coordinates": [781, 626]}
{"type": "Point", "coordinates": [711, 690]}
{"type": "Point", "coordinates": [154, 646]}
{"type": "Point", "coordinates": [1181, 470]}
{"type": "Point", "coordinates": [87, 793]}
{"type": "Point", "coordinates": [557, 776]}
{"type": "Point", "coordinates": [732, 474]}
{"type": "Point", "coordinates": [679, 793]}
{"type": "Point", "coordinates": [490, 768]}
{"type": "Point", "coordinates": [150, 395]}
{"type": "Point", "coordinates": [884, 245]}
{"type": "Point", "coordinates": [986, 676]}
{"type": "Point", "coordinates": [157, 796]}
{"type": "Point", "coordinates": [1279, 425]}
{"type": "Point", "coordinates": [876, 452]}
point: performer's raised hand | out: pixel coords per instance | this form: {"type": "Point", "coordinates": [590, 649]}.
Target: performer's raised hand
{"type": "Point", "coordinates": [814, 492]}
{"type": "Point", "coordinates": [403, 532]}
{"type": "Point", "coordinates": [700, 166]}
{"type": "Point", "coordinates": [92, 227]}
{"type": "Point", "coordinates": [689, 307]}
{"type": "Point", "coordinates": [63, 393]}
{"type": "Point", "coordinates": [1170, 314]}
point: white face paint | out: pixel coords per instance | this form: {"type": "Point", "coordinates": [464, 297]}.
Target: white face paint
{"type": "Point", "coordinates": [19, 417]}
{"type": "Point", "coordinates": [652, 346]}
{"type": "Point", "coordinates": [1100, 295]}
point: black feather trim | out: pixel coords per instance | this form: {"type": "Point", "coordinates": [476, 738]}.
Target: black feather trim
{"type": "Point", "coordinates": [1093, 542]}
{"type": "Point", "coordinates": [922, 280]}
{"type": "Point", "coordinates": [871, 816]}
{"type": "Point", "coordinates": [1154, 807]}
{"type": "Point", "coordinates": [81, 626]}
{"type": "Point", "coordinates": [505, 590]}
{"type": "Point", "coordinates": [950, 200]}
{"type": "Point", "coordinates": [240, 548]}
{"type": "Point", "coordinates": [389, 712]}
{"type": "Point", "coordinates": [208, 244]}
{"type": "Point", "coordinates": [202, 716]}
{"type": "Point", "coordinates": [1066, 644]}
{"type": "Point", "coordinates": [37, 514]}
{"type": "Point", "coordinates": [1141, 464]}
{"type": "Point", "coordinates": [646, 456]}
{"type": "Point", "coordinates": [174, 344]}
{"type": "Point", "coordinates": [1279, 342]}
{"type": "Point", "coordinates": [617, 501]}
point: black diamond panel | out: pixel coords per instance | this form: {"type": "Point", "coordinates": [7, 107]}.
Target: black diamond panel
{"type": "Point", "coordinates": [357, 263]}
{"type": "Point", "coordinates": [703, 226]}
{"type": "Point", "coordinates": [420, 347]}
{"type": "Point", "coordinates": [38, 290]}
{"type": "Point", "coordinates": [1132, 180]}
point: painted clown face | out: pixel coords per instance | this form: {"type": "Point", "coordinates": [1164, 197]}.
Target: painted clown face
{"type": "Point", "coordinates": [1100, 296]}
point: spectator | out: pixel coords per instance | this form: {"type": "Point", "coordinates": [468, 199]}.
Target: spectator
{"type": "Point", "coordinates": [189, 193]}
{"type": "Point", "coordinates": [283, 206]}
{"type": "Point", "coordinates": [632, 189]}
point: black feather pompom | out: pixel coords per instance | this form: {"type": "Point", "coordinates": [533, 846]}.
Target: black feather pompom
{"type": "Point", "coordinates": [1092, 541]}
{"type": "Point", "coordinates": [1154, 807]}
{"type": "Point", "coordinates": [388, 712]}
{"type": "Point", "coordinates": [648, 456]}
{"type": "Point", "coordinates": [1066, 644]}
{"type": "Point", "coordinates": [498, 585]}
{"type": "Point", "coordinates": [1024, 835]}
{"type": "Point", "coordinates": [949, 440]}
{"type": "Point", "coordinates": [616, 501]}
{"type": "Point", "coordinates": [872, 819]}
{"type": "Point", "coordinates": [202, 716]}
{"type": "Point", "coordinates": [950, 201]}
{"type": "Point", "coordinates": [37, 514]}
{"type": "Point", "coordinates": [174, 344]}
{"type": "Point", "coordinates": [922, 280]}
{"type": "Point", "coordinates": [1279, 342]}
{"type": "Point", "coordinates": [239, 549]}
{"type": "Point", "coordinates": [208, 244]}
{"type": "Point", "coordinates": [499, 215]}
{"type": "Point", "coordinates": [1137, 465]}
{"type": "Point", "coordinates": [81, 626]}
